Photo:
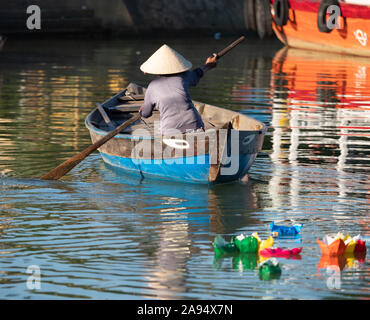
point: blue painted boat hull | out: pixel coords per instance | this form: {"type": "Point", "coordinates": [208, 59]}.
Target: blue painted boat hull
{"type": "Point", "coordinates": [191, 170]}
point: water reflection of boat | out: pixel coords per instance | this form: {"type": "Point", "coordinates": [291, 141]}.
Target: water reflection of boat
{"type": "Point", "coordinates": [171, 219]}
{"type": "Point", "coordinates": [320, 121]}
{"type": "Point", "coordinates": [212, 207]}
{"type": "Point", "coordinates": [303, 24]}
{"type": "Point", "coordinates": [323, 100]}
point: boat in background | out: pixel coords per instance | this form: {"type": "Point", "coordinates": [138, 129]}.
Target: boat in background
{"type": "Point", "coordinates": [307, 25]}
{"type": "Point", "coordinates": [224, 152]}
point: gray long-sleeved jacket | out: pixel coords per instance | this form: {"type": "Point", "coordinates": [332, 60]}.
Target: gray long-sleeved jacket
{"type": "Point", "coordinates": [170, 95]}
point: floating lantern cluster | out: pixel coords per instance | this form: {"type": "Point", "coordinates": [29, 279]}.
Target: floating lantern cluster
{"type": "Point", "coordinates": [341, 244]}
{"type": "Point", "coordinates": [251, 251]}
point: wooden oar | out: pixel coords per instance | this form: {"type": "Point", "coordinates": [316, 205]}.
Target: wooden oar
{"type": "Point", "coordinates": [229, 47]}
{"type": "Point", "coordinates": [69, 164]}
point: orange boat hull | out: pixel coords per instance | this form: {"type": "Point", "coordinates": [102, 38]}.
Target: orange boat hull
{"type": "Point", "coordinates": [301, 31]}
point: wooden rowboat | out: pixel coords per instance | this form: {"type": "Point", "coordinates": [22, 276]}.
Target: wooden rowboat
{"type": "Point", "coordinates": [223, 152]}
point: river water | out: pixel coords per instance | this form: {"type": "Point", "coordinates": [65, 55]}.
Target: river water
{"type": "Point", "coordinates": [100, 234]}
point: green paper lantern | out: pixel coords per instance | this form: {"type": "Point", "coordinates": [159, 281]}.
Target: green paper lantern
{"type": "Point", "coordinates": [221, 247]}
{"type": "Point", "coordinates": [246, 244]}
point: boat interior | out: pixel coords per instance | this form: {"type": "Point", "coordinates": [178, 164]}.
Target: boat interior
{"type": "Point", "coordinates": [121, 108]}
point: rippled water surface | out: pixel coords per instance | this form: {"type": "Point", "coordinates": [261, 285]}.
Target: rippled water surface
{"type": "Point", "coordinates": [101, 234]}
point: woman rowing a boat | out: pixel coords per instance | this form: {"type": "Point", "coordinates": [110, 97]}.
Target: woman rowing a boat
{"type": "Point", "coordinates": [169, 92]}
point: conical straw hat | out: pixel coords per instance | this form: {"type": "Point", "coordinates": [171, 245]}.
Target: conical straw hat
{"type": "Point", "coordinates": [165, 61]}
